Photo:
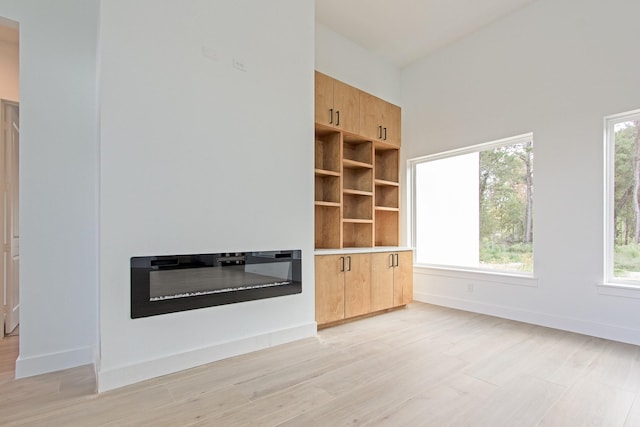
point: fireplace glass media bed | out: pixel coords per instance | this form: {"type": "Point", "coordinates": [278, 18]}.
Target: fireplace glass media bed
{"type": "Point", "coordinates": [171, 283]}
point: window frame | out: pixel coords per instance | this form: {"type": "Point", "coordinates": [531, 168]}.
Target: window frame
{"type": "Point", "coordinates": [412, 217]}
{"type": "Point", "coordinates": [609, 200]}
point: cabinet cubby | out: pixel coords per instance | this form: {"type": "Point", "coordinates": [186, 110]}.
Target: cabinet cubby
{"type": "Point", "coordinates": [357, 234]}
{"type": "Point", "coordinates": [387, 228]}
{"type": "Point", "coordinates": [328, 233]}
{"type": "Point", "coordinates": [387, 196]}
{"type": "Point", "coordinates": [327, 188]}
{"type": "Point", "coordinates": [327, 150]}
{"type": "Point", "coordinates": [357, 206]}
{"type": "Point", "coordinates": [386, 163]}
{"type": "Point", "coordinates": [357, 178]}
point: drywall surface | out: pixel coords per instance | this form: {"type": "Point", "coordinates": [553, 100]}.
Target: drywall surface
{"type": "Point", "coordinates": [206, 134]}
{"type": "Point", "coordinates": [348, 62]}
{"type": "Point", "coordinates": [58, 183]}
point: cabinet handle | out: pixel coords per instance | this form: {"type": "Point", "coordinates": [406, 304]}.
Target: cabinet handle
{"type": "Point", "coordinates": [391, 261]}
{"type": "Point", "coordinates": [385, 134]}
{"type": "Point", "coordinates": [331, 116]}
{"type": "Point", "coordinates": [349, 259]}
{"type": "Point", "coordinates": [379, 132]}
{"type": "Point", "coordinates": [338, 118]}
{"type": "Point", "coordinates": [397, 260]}
{"type": "Point", "coordinates": [341, 264]}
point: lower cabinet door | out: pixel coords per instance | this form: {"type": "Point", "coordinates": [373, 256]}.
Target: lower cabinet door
{"type": "Point", "coordinates": [357, 284]}
{"type": "Point", "coordinates": [329, 288]}
{"type": "Point", "coordinates": [403, 276]}
{"type": "Point", "coordinates": [382, 269]}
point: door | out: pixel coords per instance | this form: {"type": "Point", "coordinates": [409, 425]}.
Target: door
{"type": "Point", "coordinates": [10, 200]}
{"type": "Point", "coordinates": [330, 270]}
{"type": "Point", "coordinates": [383, 264]}
{"type": "Point", "coordinates": [357, 285]}
{"type": "Point", "coordinates": [403, 278]}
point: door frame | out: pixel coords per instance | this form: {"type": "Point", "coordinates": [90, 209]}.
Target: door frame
{"type": "Point", "coordinates": [5, 206]}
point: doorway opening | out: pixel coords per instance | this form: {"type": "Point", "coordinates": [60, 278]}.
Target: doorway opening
{"type": "Point", "coordinates": [9, 184]}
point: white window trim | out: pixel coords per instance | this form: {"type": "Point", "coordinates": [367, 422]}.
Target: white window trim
{"type": "Point", "coordinates": [517, 278]}
{"type": "Point", "coordinates": [612, 285]}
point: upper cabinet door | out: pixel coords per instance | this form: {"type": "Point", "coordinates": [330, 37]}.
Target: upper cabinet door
{"type": "Point", "coordinates": [379, 120]}
{"type": "Point", "coordinates": [337, 104]}
{"type": "Point", "coordinates": [324, 99]}
{"type": "Point", "coordinates": [370, 116]}
{"type": "Point", "coordinates": [391, 123]}
{"type": "Point", "coordinates": [346, 104]}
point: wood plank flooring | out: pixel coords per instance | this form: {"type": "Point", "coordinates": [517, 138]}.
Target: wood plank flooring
{"type": "Point", "coordinates": [423, 366]}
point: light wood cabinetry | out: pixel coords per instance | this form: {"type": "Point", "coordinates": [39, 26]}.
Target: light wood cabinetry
{"type": "Point", "coordinates": [356, 176]}
{"type": "Point", "coordinates": [353, 285]}
{"type": "Point", "coordinates": [379, 120]}
{"type": "Point", "coordinates": [357, 204]}
{"type": "Point", "coordinates": [337, 104]}
{"type": "Point", "coordinates": [391, 279]}
{"type": "Point", "coordinates": [343, 286]}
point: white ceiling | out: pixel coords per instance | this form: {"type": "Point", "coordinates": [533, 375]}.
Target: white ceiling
{"type": "Point", "coordinates": [403, 31]}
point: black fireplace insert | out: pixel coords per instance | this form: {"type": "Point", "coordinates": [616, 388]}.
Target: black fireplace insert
{"type": "Point", "coordinates": [170, 283]}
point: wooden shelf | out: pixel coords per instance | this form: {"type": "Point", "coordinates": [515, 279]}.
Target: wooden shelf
{"type": "Point", "coordinates": [387, 209]}
{"type": "Point", "coordinates": [327, 204]}
{"type": "Point", "coordinates": [357, 192]}
{"type": "Point", "coordinates": [357, 221]}
{"type": "Point", "coordinates": [323, 172]}
{"type": "Point", "coordinates": [382, 182]}
{"type": "Point", "coordinates": [354, 164]}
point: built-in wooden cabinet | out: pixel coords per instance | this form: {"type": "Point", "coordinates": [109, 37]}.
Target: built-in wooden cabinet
{"type": "Point", "coordinates": [379, 120]}
{"type": "Point", "coordinates": [357, 204]}
{"type": "Point", "coordinates": [343, 286]}
{"type": "Point", "coordinates": [357, 194]}
{"type": "Point", "coordinates": [355, 284]}
{"type": "Point", "coordinates": [337, 104]}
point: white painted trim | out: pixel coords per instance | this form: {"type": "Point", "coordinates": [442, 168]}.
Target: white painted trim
{"type": "Point", "coordinates": [600, 330]}
{"type": "Point", "coordinates": [479, 275]}
{"type": "Point", "coordinates": [109, 379]}
{"type": "Point", "coordinates": [609, 187]}
{"type": "Point", "coordinates": [45, 363]}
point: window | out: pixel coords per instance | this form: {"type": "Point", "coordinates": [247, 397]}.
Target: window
{"type": "Point", "coordinates": [622, 142]}
{"type": "Point", "coordinates": [472, 208]}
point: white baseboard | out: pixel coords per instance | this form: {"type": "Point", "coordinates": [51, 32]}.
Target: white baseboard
{"type": "Point", "coordinates": [45, 363]}
{"type": "Point", "coordinates": [109, 379]}
{"type": "Point", "coordinates": [600, 330]}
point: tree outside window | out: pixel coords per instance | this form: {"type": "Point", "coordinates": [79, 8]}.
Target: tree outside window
{"type": "Point", "coordinates": [473, 208]}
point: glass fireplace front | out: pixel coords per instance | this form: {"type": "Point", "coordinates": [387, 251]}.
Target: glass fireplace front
{"type": "Point", "coordinates": [170, 283]}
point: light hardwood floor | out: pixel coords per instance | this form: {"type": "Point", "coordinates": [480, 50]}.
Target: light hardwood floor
{"type": "Point", "coordinates": [423, 366]}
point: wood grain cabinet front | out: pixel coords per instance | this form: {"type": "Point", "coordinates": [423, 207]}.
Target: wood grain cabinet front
{"type": "Point", "coordinates": [337, 104]}
{"type": "Point", "coordinates": [379, 120]}
{"type": "Point", "coordinates": [343, 286]}
{"type": "Point", "coordinates": [391, 279]}
{"type": "Point", "coordinates": [353, 285]}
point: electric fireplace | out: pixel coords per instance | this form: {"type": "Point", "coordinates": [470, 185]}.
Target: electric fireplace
{"type": "Point", "coordinates": [169, 283]}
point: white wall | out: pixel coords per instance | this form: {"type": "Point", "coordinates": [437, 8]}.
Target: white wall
{"type": "Point", "coordinates": [350, 63]}
{"type": "Point", "coordinates": [58, 182]}
{"type": "Point", "coordinates": [198, 156]}
{"type": "Point", "coordinates": [9, 68]}
{"type": "Point", "coordinates": [555, 68]}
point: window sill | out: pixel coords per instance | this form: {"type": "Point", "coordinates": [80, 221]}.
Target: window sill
{"type": "Point", "coordinates": [500, 277]}
{"type": "Point", "coordinates": [619, 290]}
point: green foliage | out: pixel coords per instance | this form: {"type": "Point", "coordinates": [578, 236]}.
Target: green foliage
{"type": "Point", "coordinates": [506, 192]}
{"type": "Point", "coordinates": [627, 259]}
{"type": "Point", "coordinates": [625, 163]}
{"type": "Point", "coordinates": [514, 257]}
